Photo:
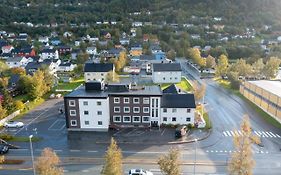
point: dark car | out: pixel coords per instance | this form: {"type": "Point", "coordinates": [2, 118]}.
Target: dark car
{"type": "Point", "coordinates": [180, 131]}
{"type": "Point", "coordinates": [3, 149]}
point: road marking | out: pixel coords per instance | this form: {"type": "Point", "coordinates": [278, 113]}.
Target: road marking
{"type": "Point", "coordinates": [163, 131]}
{"type": "Point", "coordinates": [85, 171]}
{"type": "Point", "coordinates": [240, 133]}
{"type": "Point", "coordinates": [261, 134]}
{"type": "Point", "coordinates": [216, 151]}
{"type": "Point", "coordinates": [212, 151]}
{"type": "Point", "coordinates": [232, 133]}
{"type": "Point", "coordinates": [92, 151]}
{"type": "Point", "coordinates": [278, 136]}
{"type": "Point", "coordinates": [272, 134]}
{"type": "Point", "coordinates": [269, 134]}
{"type": "Point", "coordinates": [224, 133]}
{"type": "Point", "coordinates": [65, 171]}
{"type": "Point", "coordinates": [257, 133]}
{"type": "Point", "coordinates": [58, 150]}
{"type": "Point", "coordinates": [207, 151]}
{"type": "Point", "coordinates": [228, 133]}
{"type": "Point", "coordinates": [74, 150]}
{"type": "Point", "coordinates": [236, 132]}
{"type": "Point", "coordinates": [264, 134]}
{"type": "Point", "coordinates": [20, 149]}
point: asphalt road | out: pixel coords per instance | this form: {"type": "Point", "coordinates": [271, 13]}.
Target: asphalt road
{"type": "Point", "coordinates": [225, 110]}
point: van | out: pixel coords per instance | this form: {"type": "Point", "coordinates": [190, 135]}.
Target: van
{"type": "Point", "coordinates": [180, 131]}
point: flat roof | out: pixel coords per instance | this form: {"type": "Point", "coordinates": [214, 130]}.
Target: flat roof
{"type": "Point", "coordinates": [271, 86]}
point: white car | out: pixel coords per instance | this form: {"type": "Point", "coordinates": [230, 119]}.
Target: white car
{"type": "Point", "coordinates": [13, 124]}
{"type": "Point", "coordinates": [139, 172]}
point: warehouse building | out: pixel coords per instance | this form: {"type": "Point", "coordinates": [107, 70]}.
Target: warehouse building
{"type": "Point", "coordinates": [265, 94]}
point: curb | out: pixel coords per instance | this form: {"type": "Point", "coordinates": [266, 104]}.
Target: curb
{"type": "Point", "coordinates": [193, 140]}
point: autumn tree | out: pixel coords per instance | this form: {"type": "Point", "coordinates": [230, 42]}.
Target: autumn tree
{"type": "Point", "coordinates": [48, 163]}
{"type": "Point", "coordinates": [3, 67]}
{"type": "Point", "coordinates": [195, 55]}
{"type": "Point", "coordinates": [2, 158]}
{"type": "Point", "coordinates": [38, 85]}
{"type": "Point", "coordinates": [121, 62]}
{"type": "Point", "coordinates": [241, 67]}
{"type": "Point", "coordinates": [222, 66]}
{"type": "Point", "coordinates": [242, 162]}
{"type": "Point", "coordinates": [18, 70]}
{"type": "Point", "coordinates": [170, 164]}
{"type": "Point", "coordinates": [171, 54]}
{"type": "Point", "coordinates": [3, 82]}
{"type": "Point", "coordinates": [210, 62]}
{"type": "Point", "coordinates": [199, 91]}
{"type": "Point", "coordinates": [82, 57]}
{"type": "Point", "coordinates": [3, 112]}
{"type": "Point", "coordinates": [257, 68]}
{"type": "Point", "coordinates": [112, 77]}
{"type": "Point", "coordinates": [113, 160]}
{"type": "Point", "coordinates": [19, 105]}
{"type": "Point", "coordinates": [271, 67]}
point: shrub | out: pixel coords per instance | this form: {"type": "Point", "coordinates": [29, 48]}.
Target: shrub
{"type": "Point", "coordinates": [6, 137]}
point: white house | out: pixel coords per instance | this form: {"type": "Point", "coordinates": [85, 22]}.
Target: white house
{"type": "Point", "coordinates": [43, 39]}
{"type": "Point", "coordinates": [91, 50]}
{"type": "Point", "coordinates": [94, 118]}
{"type": "Point", "coordinates": [7, 49]}
{"type": "Point", "coordinates": [166, 72]}
{"type": "Point", "coordinates": [137, 24]}
{"type": "Point", "coordinates": [178, 109]}
{"type": "Point", "coordinates": [97, 71]}
{"type": "Point", "coordinates": [66, 67]}
{"type": "Point", "coordinates": [49, 54]}
{"type": "Point", "coordinates": [17, 62]}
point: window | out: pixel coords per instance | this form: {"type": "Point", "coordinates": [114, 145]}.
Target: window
{"type": "Point", "coordinates": [188, 119]}
{"type": "Point", "coordinates": [165, 110]}
{"type": "Point", "coordinates": [136, 119]}
{"type": "Point", "coordinates": [176, 78]}
{"type": "Point", "coordinates": [101, 74]}
{"type": "Point", "coordinates": [116, 100]}
{"type": "Point", "coordinates": [145, 100]}
{"type": "Point", "coordinates": [153, 102]}
{"type": "Point", "coordinates": [164, 78]}
{"type": "Point", "coordinates": [174, 119]}
{"type": "Point", "coordinates": [117, 109]}
{"type": "Point", "coordinates": [156, 102]}
{"type": "Point", "coordinates": [85, 103]}
{"type": "Point", "coordinates": [126, 119]}
{"type": "Point", "coordinates": [145, 109]}
{"type": "Point", "coordinates": [136, 100]}
{"type": "Point", "coordinates": [152, 113]}
{"type": "Point", "coordinates": [164, 119]}
{"type": "Point", "coordinates": [71, 103]}
{"type": "Point", "coordinates": [126, 100]}
{"type": "Point", "coordinates": [174, 110]}
{"type": "Point", "coordinates": [86, 112]}
{"type": "Point", "coordinates": [99, 112]}
{"type": "Point", "coordinates": [99, 122]}
{"type": "Point", "coordinates": [136, 109]}
{"type": "Point", "coordinates": [73, 122]}
{"type": "Point", "coordinates": [156, 112]}
{"type": "Point", "coordinates": [87, 122]}
{"type": "Point", "coordinates": [126, 109]}
{"type": "Point", "coordinates": [98, 103]}
{"type": "Point", "coordinates": [145, 119]}
{"type": "Point", "coordinates": [117, 119]}
{"type": "Point", "coordinates": [188, 110]}
{"type": "Point", "coordinates": [72, 112]}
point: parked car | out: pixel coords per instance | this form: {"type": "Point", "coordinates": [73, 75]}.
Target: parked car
{"type": "Point", "coordinates": [139, 172]}
{"type": "Point", "coordinates": [13, 124]}
{"type": "Point", "coordinates": [4, 149]}
{"type": "Point", "coordinates": [180, 131]}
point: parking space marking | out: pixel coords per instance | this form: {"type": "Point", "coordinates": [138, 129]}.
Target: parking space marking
{"type": "Point", "coordinates": [74, 150]}
{"type": "Point", "coordinates": [58, 121]}
{"type": "Point", "coordinates": [163, 131]}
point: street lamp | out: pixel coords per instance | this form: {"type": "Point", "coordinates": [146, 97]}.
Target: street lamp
{"type": "Point", "coordinates": [31, 151]}
{"type": "Point", "coordinates": [195, 156]}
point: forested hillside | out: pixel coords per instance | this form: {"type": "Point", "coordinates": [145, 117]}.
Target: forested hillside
{"type": "Point", "coordinates": [240, 12]}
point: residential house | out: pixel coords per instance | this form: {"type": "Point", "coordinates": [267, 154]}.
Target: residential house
{"type": "Point", "coordinates": [137, 24]}
{"type": "Point", "coordinates": [6, 55]}
{"type": "Point", "coordinates": [98, 107]}
{"type": "Point", "coordinates": [49, 54]}
{"type": "Point", "coordinates": [7, 48]}
{"type": "Point", "coordinates": [67, 34]}
{"type": "Point", "coordinates": [157, 51]}
{"type": "Point", "coordinates": [74, 53]}
{"type": "Point", "coordinates": [91, 50]}
{"type": "Point", "coordinates": [97, 71]}
{"type": "Point", "coordinates": [124, 41]}
{"type": "Point", "coordinates": [166, 72]}
{"type": "Point", "coordinates": [136, 50]}
{"type": "Point", "coordinates": [55, 42]}
{"type": "Point", "coordinates": [106, 35]}
{"type": "Point", "coordinates": [17, 62]}
{"type": "Point", "coordinates": [178, 109]}
{"type": "Point", "coordinates": [28, 51]}
{"type": "Point", "coordinates": [66, 67]}
{"type": "Point", "coordinates": [43, 39]}
{"type": "Point", "coordinates": [64, 50]}
{"type": "Point", "coordinates": [52, 65]}
{"type": "Point", "coordinates": [22, 37]}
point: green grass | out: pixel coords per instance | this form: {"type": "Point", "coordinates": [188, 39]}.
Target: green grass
{"type": "Point", "coordinates": [184, 85]}
{"type": "Point", "coordinates": [25, 139]}
{"type": "Point", "coordinates": [207, 120]}
{"type": "Point", "coordinates": [29, 106]}
{"type": "Point", "coordinates": [22, 98]}
{"type": "Point", "coordinates": [71, 85]}
{"type": "Point", "coordinates": [268, 118]}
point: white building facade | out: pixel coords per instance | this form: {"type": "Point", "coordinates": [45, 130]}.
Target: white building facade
{"type": "Point", "coordinates": [166, 73]}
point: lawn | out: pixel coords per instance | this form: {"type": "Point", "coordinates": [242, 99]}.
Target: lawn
{"type": "Point", "coordinates": [71, 85]}
{"type": "Point", "coordinates": [184, 85]}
